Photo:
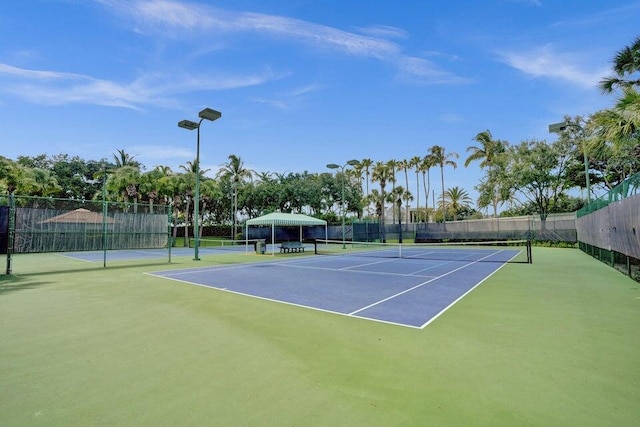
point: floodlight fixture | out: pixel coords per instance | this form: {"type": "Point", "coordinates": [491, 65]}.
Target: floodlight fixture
{"type": "Point", "coordinates": [206, 114]}
{"type": "Point", "coordinates": [562, 126]}
{"type": "Point", "coordinates": [188, 124]}
{"type": "Point", "coordinates": [557, 127]}
{"type": "Point", "coordinates": [210, 114]}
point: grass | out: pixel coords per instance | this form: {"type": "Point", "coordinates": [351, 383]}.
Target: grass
{"type": "Point", "coordinates": [554, 343]}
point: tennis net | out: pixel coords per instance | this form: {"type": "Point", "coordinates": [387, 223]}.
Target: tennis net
{"type": "Point", "coordinates": [512, 251]}
{"type": "Point", "coordinates": [225, 244]}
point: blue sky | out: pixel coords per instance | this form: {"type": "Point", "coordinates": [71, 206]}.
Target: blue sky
{"type": "Point", "coordinates": [299, 83]}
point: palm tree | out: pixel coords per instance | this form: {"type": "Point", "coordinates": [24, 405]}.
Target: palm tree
{"type": "Point", "coordinates": [235, 171]}
{"type": "Point", "coordinates": [210, 192]}
{"type": "Point", "coordinates": [46, 183]}
{"type": "Point", "coordinates": [264, 176]}
{"type": "Point", "coordinates": [355, 175]}
{"type": "Point", "coordinates": [405, 165]}
{"type": "Point", "coordinates": [397, 195]}
{"type": "Point", "coordinates": [366, 164]}
{"type": "Point", "coordinates": [615, 143]}
{"type": "Point", "coordinates": [414, 163]}
{"type": "Point", "coordinates": [124, 159]}
{"type": "Point", "coordinates": [486, 153]}
{"type": "Point", "coordinates": [625, 63]}
{"type": "Point", "coordinates": [187, 184]}
{"type": "Point", "coordinates": [426, 164]}
{"type": "Point", "coordinates": [442, 159]}
{"type": "Point", "coordinates": [381, 173]}
{"type": "Point", "coordinates": [124, 184]}
{"type": "Point", "coordinates": [458, 199]}
{"type": "Point", "coordinates": [393, 166]}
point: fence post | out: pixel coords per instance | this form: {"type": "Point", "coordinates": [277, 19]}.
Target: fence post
{"type": "Point", "coordinates": [11, 236]}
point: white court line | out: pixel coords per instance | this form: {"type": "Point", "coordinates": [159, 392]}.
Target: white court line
{"type": "Point", "coordinates": [377, 273]}
{"type": "Point", "coordinates": [392, 259]}
{"type": "Point", "coordinates": [441, 312]}
{"type": "Point", "coordinates": [414, 287]}
{"type": "Point", "coordinates": [324, 310]}
{"type": "Point", "coordinates": [75, 258]}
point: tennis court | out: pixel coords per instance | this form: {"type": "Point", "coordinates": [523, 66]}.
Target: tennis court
{"type": "Point", "coordinates": [374, 285]}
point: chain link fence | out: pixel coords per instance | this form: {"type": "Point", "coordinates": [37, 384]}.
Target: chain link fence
{"type": "Point", "coordinates": [37, 225]}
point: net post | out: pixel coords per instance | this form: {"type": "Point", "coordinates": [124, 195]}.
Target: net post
{"type": "Point", "coordinates": [529, 253]}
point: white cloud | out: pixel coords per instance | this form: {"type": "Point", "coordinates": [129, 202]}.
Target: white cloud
{"type": "Point", "coordinates": [546, 62]}
{"type": "Point", "coordinates": [170, 19]}
{"type": "Point", "coordinates": [58, 88]}
{"type": "Point", "coordinates": [418, 70]}
{"type": "Point", "coordinates": [38, 74]}
{"type": "Point", "coordinates": [451, 118]}
{"type": "Point", "coordinates": [527, 2]}
{"type": "Point", "coordinates": [384, 31]}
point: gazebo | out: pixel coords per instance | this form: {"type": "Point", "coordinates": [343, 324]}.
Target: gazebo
{"type": "Point", "coordinates": [79, 216]}
{"type": "Point", "coordinates": [284, 220]}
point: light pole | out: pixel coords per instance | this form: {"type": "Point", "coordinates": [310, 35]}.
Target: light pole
{"type": "Point", "coordinates": [211, 115]}
{"type": "Point", "coordinates": [334, 166]}
{"type": "Point", "coordinates": [559, 127]}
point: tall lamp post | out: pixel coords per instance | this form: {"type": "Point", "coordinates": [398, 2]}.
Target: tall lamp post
{"type": "Point", "coordinates": [341, 167]}
{"type": "Point", "coordinates": [211, 115]}
{"type": "Point", "coordinates": [559, 127]}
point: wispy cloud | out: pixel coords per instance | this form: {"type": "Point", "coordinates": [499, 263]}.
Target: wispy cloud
{"type": "Point", "coordinates": [451, 118]}
{"type": "Point", "coordinates": [547, 62]}
{"type": "Point", "coordinates": [174, 21]}
{"type": "Point", "coordinates": [290, 100]}
{"type": "Point", "coordinates": [38, 74]}
{"type": "Point", "coordinates": [614, 14]}
{"type": "Point", "coordinates": [384, 31]}
{"type": "Point", "coordinates": [527, 2]}
{"type": "Point", "coordinates": [59, 88]}
{"type": "Point", "coordinates": [170, 18]}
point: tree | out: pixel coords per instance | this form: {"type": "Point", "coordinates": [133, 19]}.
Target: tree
{"type": "Point", "coordinates": [46, 184]}
{"type": "Point", "coordinates": [458, 200]}
{"type": "Point", "coordinates": [124, 159]}
{"type": "Point", "coordinates": [538, 171]}
{"type": "Point", "coordinates": [486, 154]}
{"type": "Point", "coordinates": [187, 185]}
{"type": "Point", "coordinates": [442, 159]}
{"type": "Point", "coordinates": [426, 164]}
{"type": "Point", "coordinates": [77, 176]}
{"type": "Point", "coordinates": [414, 163]}
{"type": "Point", "coordinates": [615, 139]}
{"type": "Point", "coordinates": [365, 165]}
{"type": "Point", "coordinates": [625, 64]}
{"type": "Point", "coordinates": [495, 188]}
{"type": "Point", "coordinates": [405, 165]}
{"type": "Point", "coordinates": [396, 197]}
{"type": "Point", "coordinates": [235, 171]}
{"type": "Point", "coordinates": [123, 184]}
{"type": "Point", "coordinates": [393, 165]}
{"type": "Point", "coordinates": [382, 174]}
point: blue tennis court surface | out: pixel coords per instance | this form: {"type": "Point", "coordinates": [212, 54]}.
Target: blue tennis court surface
{"type": "Point", "coordinates": [406, 292]}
